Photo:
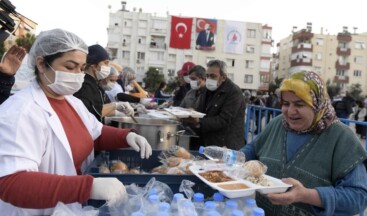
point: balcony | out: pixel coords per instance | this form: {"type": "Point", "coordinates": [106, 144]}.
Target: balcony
{"type": "Point", "coordinates": [344, 37]}
{"type": "Point", "coordinates": [341, 79]}
{"type": "Point", "coordinates": [343, 51]}
{"type": "Point", "coordinates": [301, 62]}
{"type": "Point", "coordinates": [342, 66]}
{"type": "Point", "coordinates": [302, 35]}
{"type": "Point", "coordinates": [302, 47]}
{"type": "Point", "coordinates": [264, 87]}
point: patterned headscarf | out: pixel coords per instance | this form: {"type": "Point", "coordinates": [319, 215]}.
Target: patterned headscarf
{"type": "Point", "coordinates": [312, 90]}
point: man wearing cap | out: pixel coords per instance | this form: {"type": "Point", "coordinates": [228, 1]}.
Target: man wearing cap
{"type": "Point", "coordinates": [184, 82]}
{"type": "Point", "coordinates": [91, 93]}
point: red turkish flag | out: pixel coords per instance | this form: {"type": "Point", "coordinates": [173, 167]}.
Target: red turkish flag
{"type": "Point", "coordinates": [180, 32]}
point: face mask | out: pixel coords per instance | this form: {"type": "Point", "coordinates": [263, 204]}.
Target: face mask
{"type": "Point", "coordinates": [65, 83]}
{"type": "Point", "coordinates": [211, 84]}
{"type": "Point", "coordinates": [103, 73]}
{"type": "Point", "coordinates": [108, 87]}
{"type": "Point", "coordinates": [194, 84]}
{"type": "Point", "coordinates": [187, 79]}
{"type": "Point", "coordinates": [129, 88]}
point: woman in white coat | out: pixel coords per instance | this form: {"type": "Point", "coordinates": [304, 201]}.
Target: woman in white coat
{"type": "Point", "coordinates": [48, 137]}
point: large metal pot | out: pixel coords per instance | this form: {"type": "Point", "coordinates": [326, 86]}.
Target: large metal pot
{"type": "Point", "coordinates": [160, 133]}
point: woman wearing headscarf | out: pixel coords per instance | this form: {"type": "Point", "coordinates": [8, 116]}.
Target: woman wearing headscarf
{"type": "Point", "coordinates": [308, 147]}
{"type": "Point", "coordinates": [48, 136]}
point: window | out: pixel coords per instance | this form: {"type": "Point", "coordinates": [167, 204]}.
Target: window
{"type": "Point", "coordinates": [141, 55]}
{"type": "Point", "coordinates": [249, 64]}
{"type": "Point", "coordinates": [171, 72]}
{"type": "Point", "coordinates": [340, 72]}
{"type": "Point", "coordinates": [126, 54]}
{"type": "Point", "coordinates": [231, 62]}
{"type": "Point", "coordinates": [319, 41]}
{"type": "Point", "coordinates": [250, 48]}
{"type": "Point", "coordinates": [358, 59]}
{"type": "Point", "coordinates": [139, 40]}
{"type": "Point", "coordinates": [318, 56]}
{"type": "Point", "coordinates": [357, 73]}
{"type": "Point", "coordinates": [248, 79]}
{"type": "Point", "coordinates": [251, 33]}
{"type": "Point", "coordinates": [230, 76]}
{"type": "Point", "coordinates": [343, 45]}
{"type": "Point", "coordinates": [317, 69]}
{"type": "Point", "coordinates": [360, 45]}
{"type": "Point", "coordinates": [208, 59]}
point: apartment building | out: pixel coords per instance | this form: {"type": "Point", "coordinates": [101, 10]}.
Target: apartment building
{"type": "Point", "coordinates": [340, 59]}
{"type": "Point", "coordinates": [141, 40]}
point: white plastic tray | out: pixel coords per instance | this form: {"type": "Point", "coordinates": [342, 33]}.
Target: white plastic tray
{"type": "Point", "coordinates": [278, 185]}
{"type": "Point", "coordinates": [180, 112]}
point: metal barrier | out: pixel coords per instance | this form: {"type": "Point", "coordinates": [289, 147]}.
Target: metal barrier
{"type": "Point", "coordinates": [260, 116]}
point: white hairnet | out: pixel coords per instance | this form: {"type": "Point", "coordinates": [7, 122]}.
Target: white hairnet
{"type": "Point", "coordinates": [55, 41]}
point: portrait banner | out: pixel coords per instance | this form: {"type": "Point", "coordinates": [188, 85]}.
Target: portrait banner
{"type": "Point", "coordinates": [206, 33]}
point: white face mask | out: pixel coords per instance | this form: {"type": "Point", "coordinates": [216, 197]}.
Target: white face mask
{"type": "Point", "coordinates": [65, 83]}
{"type": "Point", "coordinates": [194, 84]}
{"type": "Point", "coordinates": [211, 84]}
{"type": "Point", "coordinates": [103, 73]}
{"type": "Point", "coordinates": [187, 79]}
{"type": "Point", "coordinates": [109, 86]}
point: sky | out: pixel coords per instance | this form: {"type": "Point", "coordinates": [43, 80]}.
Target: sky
{"type": "Point", "coordinates": [89, 18]}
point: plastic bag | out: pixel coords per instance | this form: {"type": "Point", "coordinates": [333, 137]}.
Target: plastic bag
{"type": "Point", "coordinates": [161, 189]}
{"type": "Point", "coordinates": [133, 203]}
{"type": "Point", "coordinates": [186, 188]}
{"type": "Point", "coordinates": [63, 210]}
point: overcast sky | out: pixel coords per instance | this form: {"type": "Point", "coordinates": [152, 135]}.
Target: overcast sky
{"type": "Point", "coordinates": [89, 18]}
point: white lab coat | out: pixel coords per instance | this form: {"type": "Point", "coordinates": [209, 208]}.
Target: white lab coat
{"type": "Point", "coordinates": [32, 139]}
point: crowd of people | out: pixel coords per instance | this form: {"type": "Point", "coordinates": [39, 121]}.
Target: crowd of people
{"type": "Point", "coordinates": [50, 130]}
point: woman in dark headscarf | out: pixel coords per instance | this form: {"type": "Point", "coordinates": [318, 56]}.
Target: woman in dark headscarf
{"type": "Point", "coordinates": [310, 149]}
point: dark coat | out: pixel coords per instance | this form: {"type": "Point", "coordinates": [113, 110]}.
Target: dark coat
{"type": "Point", "coordinates": [223, 124]}
{"type": "Point", "coordinates": [202, 39]}
{"type": "Point", "coordinates": [92, 96]}
{"type": "Point", "coordinates": [6, 83]}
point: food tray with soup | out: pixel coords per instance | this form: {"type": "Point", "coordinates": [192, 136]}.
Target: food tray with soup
{"type": "Point", "coordinates": [236, 180]}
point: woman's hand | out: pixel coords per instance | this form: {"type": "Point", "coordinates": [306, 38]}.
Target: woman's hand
{"type": "Point", "coordinates": [296, 194]}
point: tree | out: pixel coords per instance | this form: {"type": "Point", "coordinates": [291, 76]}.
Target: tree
{"type": "Point", "coordinates": [26, 41]}
{"type": "Point", "coordinates": [275, 84]}
{"type": "Point", "coordinates": [332, 89]}
{"type": "Point", "coordinates": [152, 79]}
{"type": "Point", "coordinates": [355, 91]}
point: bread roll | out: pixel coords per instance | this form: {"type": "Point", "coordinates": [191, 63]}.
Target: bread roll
{"type": "Point", "coordinates": [255, 168]}
{"type": "Point", "coordinates": [119, 167]}
{"type": "Point", "coordinates": [183, 153]}
{"type": "Point", "coordinates": [104, 169]}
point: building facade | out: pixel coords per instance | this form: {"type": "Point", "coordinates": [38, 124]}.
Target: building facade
{"type": "Point", "coordinates": [141, 40]}
{"type": "Point", "coordinates": [339, 59]}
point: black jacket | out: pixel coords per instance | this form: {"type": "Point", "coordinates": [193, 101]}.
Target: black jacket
{"type": "Point", "coordinates": [92, 96]}
{"type": "Point", "coordinates": [223, 124]}
{"type": "Point", "coordinates": [180, 94]}
{"type": "Point", "coordinates": [6, 83]}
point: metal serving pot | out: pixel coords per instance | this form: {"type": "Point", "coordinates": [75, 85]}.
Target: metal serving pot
{"type": "Point", "coordinates": [160, 133]}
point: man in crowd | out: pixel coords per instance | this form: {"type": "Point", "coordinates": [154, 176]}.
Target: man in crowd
{"type": "Point", "coordinates": [224, 106]}
{"type": "Point", "coordinates": [184, 83]}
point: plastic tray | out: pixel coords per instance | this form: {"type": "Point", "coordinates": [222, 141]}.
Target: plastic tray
{"type": "Point", "coordinates": [278, 185]}
{"type": "Point", "coordinates": [180, 112]}
{"type": "Point", "coordinates": [133, 160]}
